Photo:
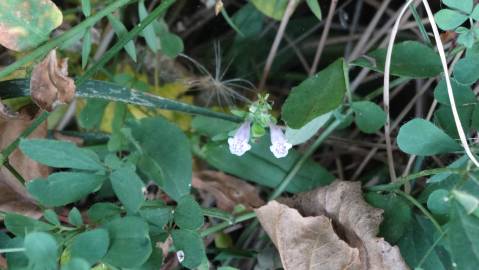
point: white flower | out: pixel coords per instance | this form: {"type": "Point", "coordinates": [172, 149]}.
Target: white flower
{"type": "Point", "coordinates": [239, 143]}
{"type": "Point", "coordinates": [180, 255]}
{"type": "Point", "coordinates": [279, 145]}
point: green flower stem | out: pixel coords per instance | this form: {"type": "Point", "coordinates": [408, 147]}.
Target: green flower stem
{"type": "Point", "coordinates": [221, 226]}
{"type": "Point", "coordinates": [420, 207]}
{"type": "Point", "coordinates": [44, 49]}
{"type": "Point", "coordinates": [297, 166]}
{"type": "Point", "coordinates": [406, 179]}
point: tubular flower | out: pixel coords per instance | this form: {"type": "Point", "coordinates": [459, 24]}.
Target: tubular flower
{"type": "Point", "coordinates": [279, 145]}
{"type": "Point", "coordinates": [239, 143]}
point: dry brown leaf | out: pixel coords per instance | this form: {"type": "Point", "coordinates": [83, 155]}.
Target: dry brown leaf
{"type": "Point", "coordinates": [227, 190]}
{"type": "Point", "coordinates": [50, 84]}
{"type": "Point", "coordinates": [327, 229]}
{"type": "Point", "coordinates": [13, 195]}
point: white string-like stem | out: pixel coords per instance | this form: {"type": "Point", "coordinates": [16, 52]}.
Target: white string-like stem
{"type": "Point", "coordinates": [387, 72]}
{"type": "Point", "coordinates": [442, 55]}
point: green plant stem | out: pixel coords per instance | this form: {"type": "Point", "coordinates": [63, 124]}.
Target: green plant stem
{"type": "Point", "coordinates": [297, 166]}
{"type": "Point", "coordinates": [9, 250]}
{"type": "Point", "coordinates": [420, 207]}
{"type": "Point", "coordinates": [42, 50]}
{"type": "Point", "coordinates": [12, 146]}
{"type": "Point", "coordinates": [14, 172]}
{"type": "Point", "coordinates": [406, 179]}
{"type": "Point", "coordinates": [217, 213]}
{"type": "Point", "coordinates": [221, 226]}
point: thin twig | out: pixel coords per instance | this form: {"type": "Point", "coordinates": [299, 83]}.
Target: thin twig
{"type": "Point", "coordinates": [277, 40]}
{"type": "Point", "coordinates": [387, 70]}
{"type": "Point", "coordinates": [324, 36]}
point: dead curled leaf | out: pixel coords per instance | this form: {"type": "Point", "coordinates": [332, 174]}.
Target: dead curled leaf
{"type": "Point", "coordinates": [329, 228]}
{"type": "Point", "coordinates": [227, 190]}
{"type": "Point", "coordinates": [50, 84]}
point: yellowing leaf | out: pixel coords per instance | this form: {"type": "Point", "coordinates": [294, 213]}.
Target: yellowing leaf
{"type": "Point", "coordinates": [25, 24]}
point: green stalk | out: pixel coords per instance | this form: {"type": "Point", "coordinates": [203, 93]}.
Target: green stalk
{"type": "Point", "coordinates": [221, 226]}
{"type": "Point", "coordinates": [420, 207]}
{"type": "Point", "coordinates": [44, 49]}
{"type": "Point", "coordinates": [297, 166]}
{"type": "Point", "coordinates": [405, 179]}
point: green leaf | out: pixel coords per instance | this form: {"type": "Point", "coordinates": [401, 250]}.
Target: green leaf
{"type": "Point", "coordinates": [86, 7]}
{"type": "Point", "coordinates": [28, 23]}
{"type": "Point", "coordinates": [299, 136]}
{"type": "Point", "coordinates": [166, 156]}
{"type": "Point", "coordinates": [52, 217]}
{"type": "Point", "coordinates": [315, 8]}
{"type": "Point", "coordinates": [438, 202]}
{"type": "Point", "coordinates": [171, 44]}
{"type": "Point", "coordinates": [445, 120]}
{"type": "Point", "coordinates": [463, 236]}
{"type": "Point", "coordinates": [60, 154]}
{"type": "Point", "coordinates": [420, 137]}
{"type": "Point", "coordinates": [157, 216]}
{"type": "Point", "coordinates": [128, 187]}
{"type": "Point", "coordinates": [475, 13]}
{"type": "Point", "coordinates": [271, 8]}
{"type": "Point", "coordinates": [64, 187]}
{"type": "Point", "coordinates": [76, 264]}
{"type": "Point", "coordinates": [153, 263]}
{"type": "Point", "coordinates": [41, 250]}
{"type": "Point", "coordinates": [191, 244]}
{"type": "Point", "coordinates": [397, 215]}
{"type": "Point", "coordinates": [91, 115]}
{"type": "Point", "coordinates": [369, 117]}
{"type": "Point", "coordinates": [468, 201]}
{"type": "Point", "coordinates": [16, 260]}
{"type": "Point", "coordinates": [130, 242]}
{"type": "Point", "coordinates": [149, 31]}
{"type": "Point", "coordinates": [121, 31]}
{"type": "Point", "coordinates": [90, 245]}
{"type": "Point", "coordinates": [188, 214]}
{"type": "Point", "coordinates": [466, 70]}
{"type": "Point", "coordinates": [260, 166]}
{"type": "Point", "coordinates": [426, 61]}
{"type": "Point", "coordinates": [467, 38]}
{"type": "Point", "coordinates": [463, 94]}
{"type": "Point", "coordinates": [316, 95]}
{"type": "Point", "coordinates": [86, 48]}
{"type": "Point", "coordinates": [416, 242]}
{"type": "Point", "coordinates": [249, 21]}
{"type": "Point", "coordinates": [448, 19]}
{"type": "Point", "coordinates": [100, 212]}
{"type": "Point", "coordinates": [462, 5]}
{"type": "Point", "coordinates": [21, 225]}
{"type": "Point", "coordinates": [75, 218]}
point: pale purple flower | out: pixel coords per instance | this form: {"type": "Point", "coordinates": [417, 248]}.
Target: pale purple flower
{"type": "Point", "coordinates": [239, 143]}
{"type": "Point", "coordinates": [279, 145]}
